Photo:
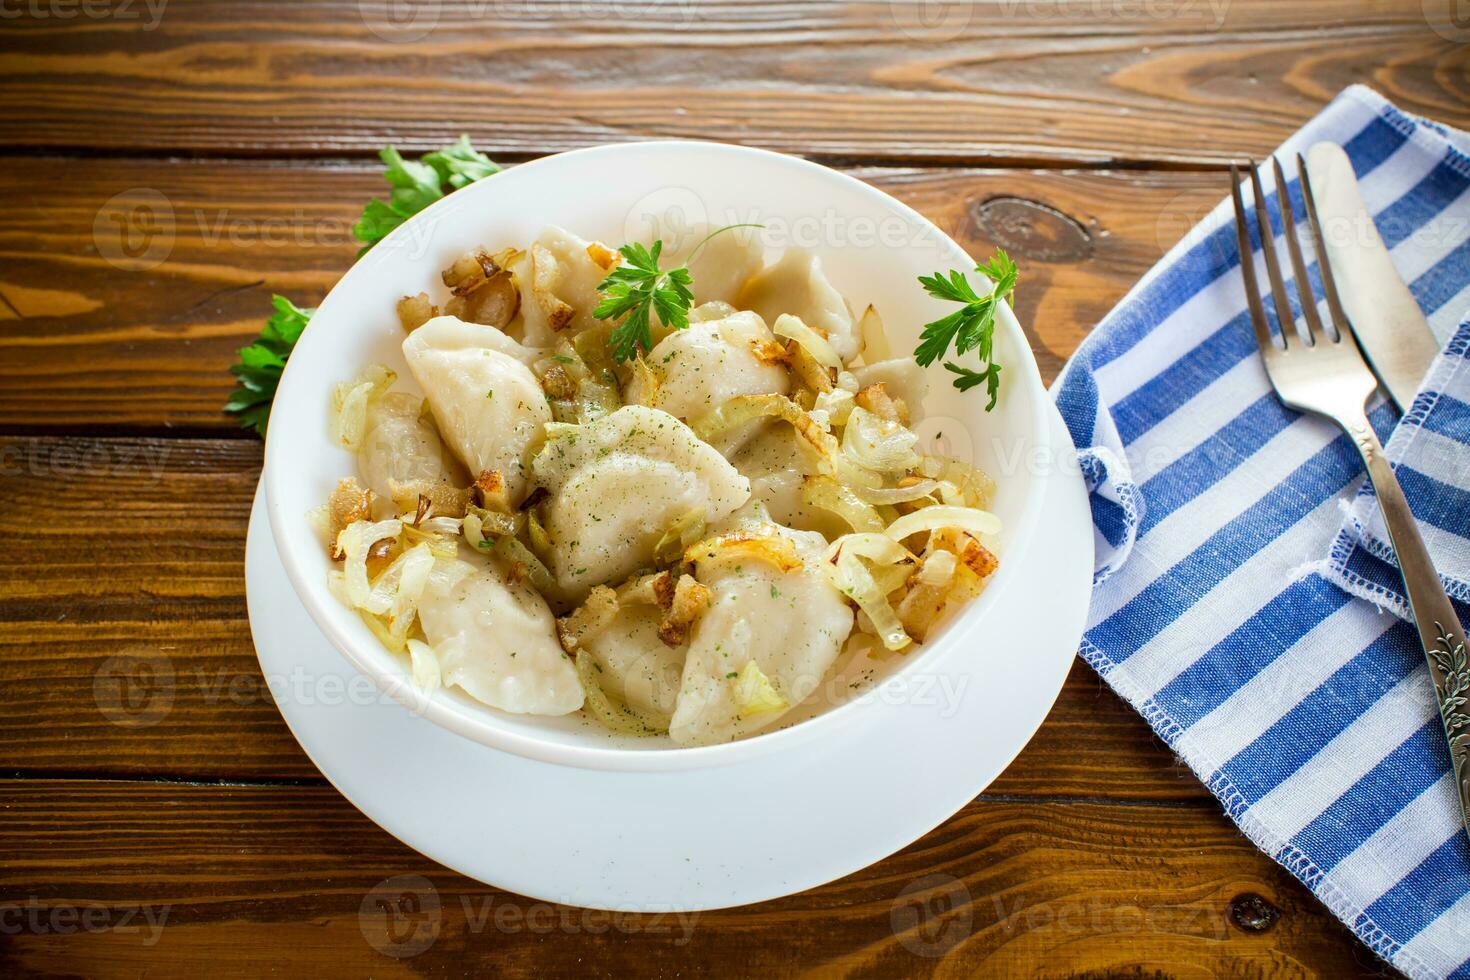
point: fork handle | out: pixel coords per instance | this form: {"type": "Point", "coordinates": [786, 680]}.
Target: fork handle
{"type": "Point", "coordinates": [1439, 628]}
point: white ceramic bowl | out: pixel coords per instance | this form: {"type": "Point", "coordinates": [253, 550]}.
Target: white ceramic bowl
{"type": "Point", "coordinates": [872, 247]}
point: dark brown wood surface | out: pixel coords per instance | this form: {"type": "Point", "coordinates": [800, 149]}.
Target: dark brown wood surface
{"type": "Point", "coordinates": [1095, 81]}
{"type": "Point", "coordinates": [156, 816]}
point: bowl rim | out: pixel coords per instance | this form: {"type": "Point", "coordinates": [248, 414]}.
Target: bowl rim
{"type": "Point", "coordinates": [480, 722]}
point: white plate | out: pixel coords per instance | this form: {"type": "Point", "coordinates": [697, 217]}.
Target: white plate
{"type": "Point", "coordinates": [702, 839]}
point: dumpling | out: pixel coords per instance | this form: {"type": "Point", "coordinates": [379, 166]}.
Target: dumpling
{"type": "Point", "coordinates": [638, 668]}
{"type": "Point", "coordinates": [797, 285]}
{"type": "Point", "coordinates": [558, 277]}
{"type": "Point", "coordinates": [490, 408]}
{"type": "Point", "coordinates": [496, 640]}
{"type": "Point", "coordinates": [777, 462]}
{"type": "Point", "coordinates": [902, 377]}
{"type": "Point", "coordinates": [723, 264]}
{"type": "Point", "coordinates": [790, 624]}
{"type": "Point", "coordinates": [705, 365]}
{"type": "Point", "coordinates": [617, 484]}
{"type": "Point", "coordinates": [400, 447]}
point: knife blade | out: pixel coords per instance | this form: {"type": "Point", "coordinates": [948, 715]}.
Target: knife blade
{"type": "Point", "coordinates": [1381, 311]}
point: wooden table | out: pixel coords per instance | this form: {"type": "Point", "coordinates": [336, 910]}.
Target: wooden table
{"type": "Point", "coordinates": [157, 815]}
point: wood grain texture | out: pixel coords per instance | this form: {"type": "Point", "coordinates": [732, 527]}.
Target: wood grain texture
{"type": "Point", "coordinates": [129, 653]}
{"type": "Point", "coordinates": [240, 881]}
{"type": "Point", "coordinates": [1051, 81]}
{"type": "Point", "coordinates": [89, 338]}
{"type": "Point", "coordinates": [173, 165]}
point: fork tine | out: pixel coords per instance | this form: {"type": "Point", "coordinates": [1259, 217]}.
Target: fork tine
{"type": "Point", "coordinates": [1298, 265]}
{"type": "Point", "coordinates": [1248, 269]}
{"type": "Point", "coordinates": [1329, 283]}
{"type": "Point", "coordinates": [1273, 266]}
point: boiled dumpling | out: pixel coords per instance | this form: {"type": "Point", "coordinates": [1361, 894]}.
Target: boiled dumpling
{"type": "Point", "coordinates": [638, 668]}
{"type": "Point", "coordinates": [490, 408]}
{"type": "Point", "coordinates": [401, 447]}
{"type": "Point", "coordinates": [791, 625]}
{"type": "Point", "coordinates": [617, 484]}
{"type": "Point", "coordinates": [723, 264]}
{"type": "Point", "coordinates": [797, 285]}
{"type": "Point", "coordinates": [496, 640]}
{"type": "Point", "coordinates": [558, 277]}
{"type": "Point", "coordinates": [776, 462]}
{"type": "Point", "coordinates": [903, 378]}
{"type": "Point", "coordinates": [702, 367]}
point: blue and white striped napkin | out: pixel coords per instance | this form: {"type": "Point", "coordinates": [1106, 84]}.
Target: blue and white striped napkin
{"type": "Point", "coordinates": [1428, 449]}
{"type": "Point", "coordinates": [1232, 600]}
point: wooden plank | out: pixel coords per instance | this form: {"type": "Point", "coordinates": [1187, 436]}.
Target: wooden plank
{"type": "Point", "coordinates": [128, 651]}
{"type": "Point", "coordinates": [1049, 81]}
{"type": "Point", "coordinates": [95, 338]}
{"type": "Point", "coordinates": [230, 879]}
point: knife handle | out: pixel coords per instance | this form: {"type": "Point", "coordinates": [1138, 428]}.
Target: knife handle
{"type": "Point", "coordinates": [1440, 632]}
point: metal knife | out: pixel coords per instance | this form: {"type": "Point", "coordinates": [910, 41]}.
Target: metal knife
{"type": "Point", "coordinates": [1386, 320]}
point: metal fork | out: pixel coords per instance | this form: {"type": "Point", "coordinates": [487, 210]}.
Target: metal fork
{"type": "Point", "coordinates": [1325, 374]}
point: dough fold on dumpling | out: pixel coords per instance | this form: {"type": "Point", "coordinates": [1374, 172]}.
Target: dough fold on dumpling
{"type": "Point", "coordinates": [489, 407]}
{"type": "Point", "coordinates": [558, 278]}
{"type": "Point", "coordinates": [792, 624]}
{"type": "Point", "coordinates": [797, 285]}
{"type": "Point", "coordinates": [617, 484]}
{"type": "Point", "coordinates": [776, 462]}
{"type": "Point", "coordinates": [400, 447]}
{"type": "Point", "coordinates": [903, 377]}
{"type": "Point", "coordinates": [705, 365]}
{"type": "Point", "coordinates": [496, 640]}
{"type": "Point", "coordinates": [638, 668]}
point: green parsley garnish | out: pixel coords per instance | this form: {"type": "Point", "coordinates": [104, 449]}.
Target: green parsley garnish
{"type": "Point", "coordinates": [638, 289]}
{"type": "Point", "coordinates": [415, 187]}
{"type": "Point", "coordinates": [259, 369]}
{"type": "Point", "coordinates": [563, 359]}
{"type": "Point", "coordinates": [970, 328]}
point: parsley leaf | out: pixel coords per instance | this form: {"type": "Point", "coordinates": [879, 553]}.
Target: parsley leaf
{"type": "Point", "coordinates": [970, 328]}
{"type": "Point", "coordinates": [415, 185]}
{"type": "Point", "coordinates": [968, 379]}
{"type": "Point", "coordinates": [260, 366]}
{"type": "Point", "coordinates": [637, 289]}
{"type": "Point", "coordinates": [461, 164]}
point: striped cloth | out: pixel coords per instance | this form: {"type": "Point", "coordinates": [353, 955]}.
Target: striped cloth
{"type": "Point", "coordinates": [1219, 610]}
{"type": "Point", "coordinates": [1428, 451]}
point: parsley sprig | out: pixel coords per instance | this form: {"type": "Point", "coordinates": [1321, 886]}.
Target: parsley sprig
{"type": "Point", "coordinates": [260, 365]}
{"type": "Point", "coordinates": [970, 328]}
{"type": "Point", "coordinates": [415, 185]}
{"type": "Point", "coordinates": [637, 290]}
